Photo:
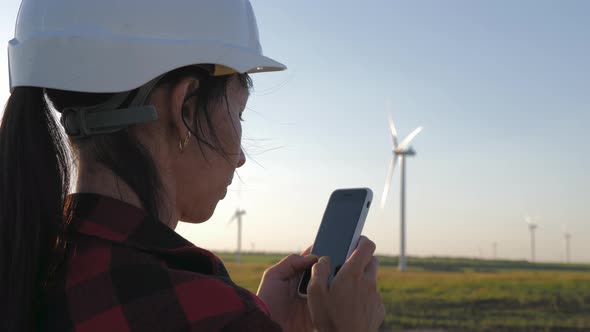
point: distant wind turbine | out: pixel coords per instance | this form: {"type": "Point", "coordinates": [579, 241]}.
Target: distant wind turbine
{"type": "Point", "coordinates": [568, 236]}
{"type": "Point", "coordinates": [532, 228]}
{"type": "Point", "coordinates": [495, 250]}
{"type": "Point", "coordinates": [399, 153]}
{"type": "Point", "coordinates": [238, 217]}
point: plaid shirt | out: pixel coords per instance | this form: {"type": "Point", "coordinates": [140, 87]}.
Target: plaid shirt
{"type": "Point", "coordinates": [125, 271]}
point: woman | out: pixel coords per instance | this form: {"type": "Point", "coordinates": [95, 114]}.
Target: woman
{"type": "Point", "coordinates": [150, 94]}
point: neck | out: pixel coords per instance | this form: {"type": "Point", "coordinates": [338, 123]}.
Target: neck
{"type": "Point", "coordinates": [95, 178]}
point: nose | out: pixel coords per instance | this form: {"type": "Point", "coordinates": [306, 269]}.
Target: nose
{"type": "Point", "coordinates": [242, 159]}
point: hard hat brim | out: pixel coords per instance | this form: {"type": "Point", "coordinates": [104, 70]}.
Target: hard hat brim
{"type": "Point", "coordinates": [120, 64]}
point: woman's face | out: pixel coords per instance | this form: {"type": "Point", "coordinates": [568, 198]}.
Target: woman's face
{"type": "Point", "coordinates": [203, 173]}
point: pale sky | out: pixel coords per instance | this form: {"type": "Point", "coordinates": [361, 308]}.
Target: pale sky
{"type": "Point", "coordinates": [501, 88]}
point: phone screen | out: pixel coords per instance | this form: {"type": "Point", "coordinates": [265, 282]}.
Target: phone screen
{"type": "Point", "coordinates": [337, 229]}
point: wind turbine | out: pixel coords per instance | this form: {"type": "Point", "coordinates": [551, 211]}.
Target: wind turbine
{"type": "Point", "coordinates": [567, 235]}
{"type": "Point", "coordinates": [495, 250]}
{"type": "Point", "coordinates": [399, 153]}
{"type": "Point", "coordinates": [532, 228]}
{"type": "Point", "coordinates": [238, 217]}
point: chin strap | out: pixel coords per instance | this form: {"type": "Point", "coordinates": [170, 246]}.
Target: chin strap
{"type": "Point", "coordinates": [107, 118]}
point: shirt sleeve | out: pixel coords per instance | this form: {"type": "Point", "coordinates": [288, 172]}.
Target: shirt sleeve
{"type": "Point", "coordinates": [214, 304]}
{"type": "Point", "coordinates": [254, 320]}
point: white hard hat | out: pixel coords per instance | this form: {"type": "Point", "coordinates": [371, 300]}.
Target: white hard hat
{"type": "Point", "coordinates": [108, 46]}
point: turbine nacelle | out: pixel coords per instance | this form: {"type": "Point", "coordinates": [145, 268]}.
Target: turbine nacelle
{"type": "Point", "coordinates": [238, 214]}
{"type": "Point", "coordinates": [530, 221]}
{"type": "Point", "coordinates": [566, 233]}
{"type": "Point", "coordinates": [407, 152]}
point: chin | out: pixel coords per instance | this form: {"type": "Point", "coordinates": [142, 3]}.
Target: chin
{"type": "Point", "coordinates": [199, 216]}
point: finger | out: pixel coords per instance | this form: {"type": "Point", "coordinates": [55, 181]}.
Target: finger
{"type": "Point", "coordinates": [320, 273]}
{"type": "Point", "coordinates": [317, 290]}
{"type": "Point", "coordinates": [380, 313]}
{"type": "Point", "coordinates": [306, 251]}
{"type": "Point", "coordinates": [290, 266]}
{"type": "Point", "coordinates": [362, 255]}
{"type": "Point", "coordinates": [372, 269]}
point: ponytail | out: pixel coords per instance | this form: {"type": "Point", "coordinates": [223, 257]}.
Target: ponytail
{"type": "Point", "coordinates": [34, 179]}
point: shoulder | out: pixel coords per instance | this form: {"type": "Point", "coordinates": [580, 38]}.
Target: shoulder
{"type": "Point", "coordinates": [108, 286]}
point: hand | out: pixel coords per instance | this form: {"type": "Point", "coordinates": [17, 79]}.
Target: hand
{"type": "Point", "coordinates": [278, 289]}
{"type": "Point", "coordinates": [352, 302]}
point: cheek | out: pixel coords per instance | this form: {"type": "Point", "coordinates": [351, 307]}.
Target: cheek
{"type": "Point", "coordinates": [238, 133]}
{"type": "Point", "coordinates": [231, 135]}
{"type": "Point", "coordinates": [239, 137]}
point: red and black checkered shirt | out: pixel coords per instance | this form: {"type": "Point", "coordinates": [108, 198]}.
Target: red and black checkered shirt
{"type": "Point", "coordinates": [125, 271]}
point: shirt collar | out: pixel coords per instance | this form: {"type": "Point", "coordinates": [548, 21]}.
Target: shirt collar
{"type": "Point", "coordinates": [116, 221]}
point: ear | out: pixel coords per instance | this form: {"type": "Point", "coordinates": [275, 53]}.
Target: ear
{"type": "Point", "coordinates": [182, 103]}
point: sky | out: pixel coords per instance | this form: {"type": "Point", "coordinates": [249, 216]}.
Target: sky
{"type": "Point", "coordinates": [502, 89]}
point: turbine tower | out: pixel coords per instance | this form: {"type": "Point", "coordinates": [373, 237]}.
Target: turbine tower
{"type": "Point", "coordinates": [532, 228]}
{"type": "Point", "coordinates": [400, 152]}
{"type": "Point", "coordinates": [238, 217]}
{"type": "Point", "coordinates": [567, 236]}
{"type": "Point", "coordinates": [495, 250]}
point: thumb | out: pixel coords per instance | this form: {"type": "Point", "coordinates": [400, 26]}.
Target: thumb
{"type": "Point", "coordinates": [320, 273]}
{"type": "Point", "coordinates": [317, 295]}
{"type": "Point", "coordinates": [291, 266]}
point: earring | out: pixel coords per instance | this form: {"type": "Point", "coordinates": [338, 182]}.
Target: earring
{"type": "Point", "coordinates": [184, 142]}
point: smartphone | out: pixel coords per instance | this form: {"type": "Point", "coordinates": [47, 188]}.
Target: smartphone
{"type": "Point", "coordinates": [339, 230]}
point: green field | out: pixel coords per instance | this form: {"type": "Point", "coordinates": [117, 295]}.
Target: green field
{"type": "Point", "coordinates": [467, 295]}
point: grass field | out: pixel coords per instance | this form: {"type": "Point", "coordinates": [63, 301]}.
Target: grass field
{"type": "Point", "coordinates": [467, 295]}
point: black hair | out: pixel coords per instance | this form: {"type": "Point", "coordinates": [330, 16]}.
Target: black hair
{"type": "Point", "coordinates": [35, 171]}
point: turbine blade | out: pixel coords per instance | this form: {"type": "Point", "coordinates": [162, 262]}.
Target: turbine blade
{"type": "Point", "coordinates": [231, 219]}
{"type": "Point", "coordinates": [392, 129]}
{"type": "Point", "coordinates": [388, 181]}
{"type": "Point", "coordinates": [409, 139]}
